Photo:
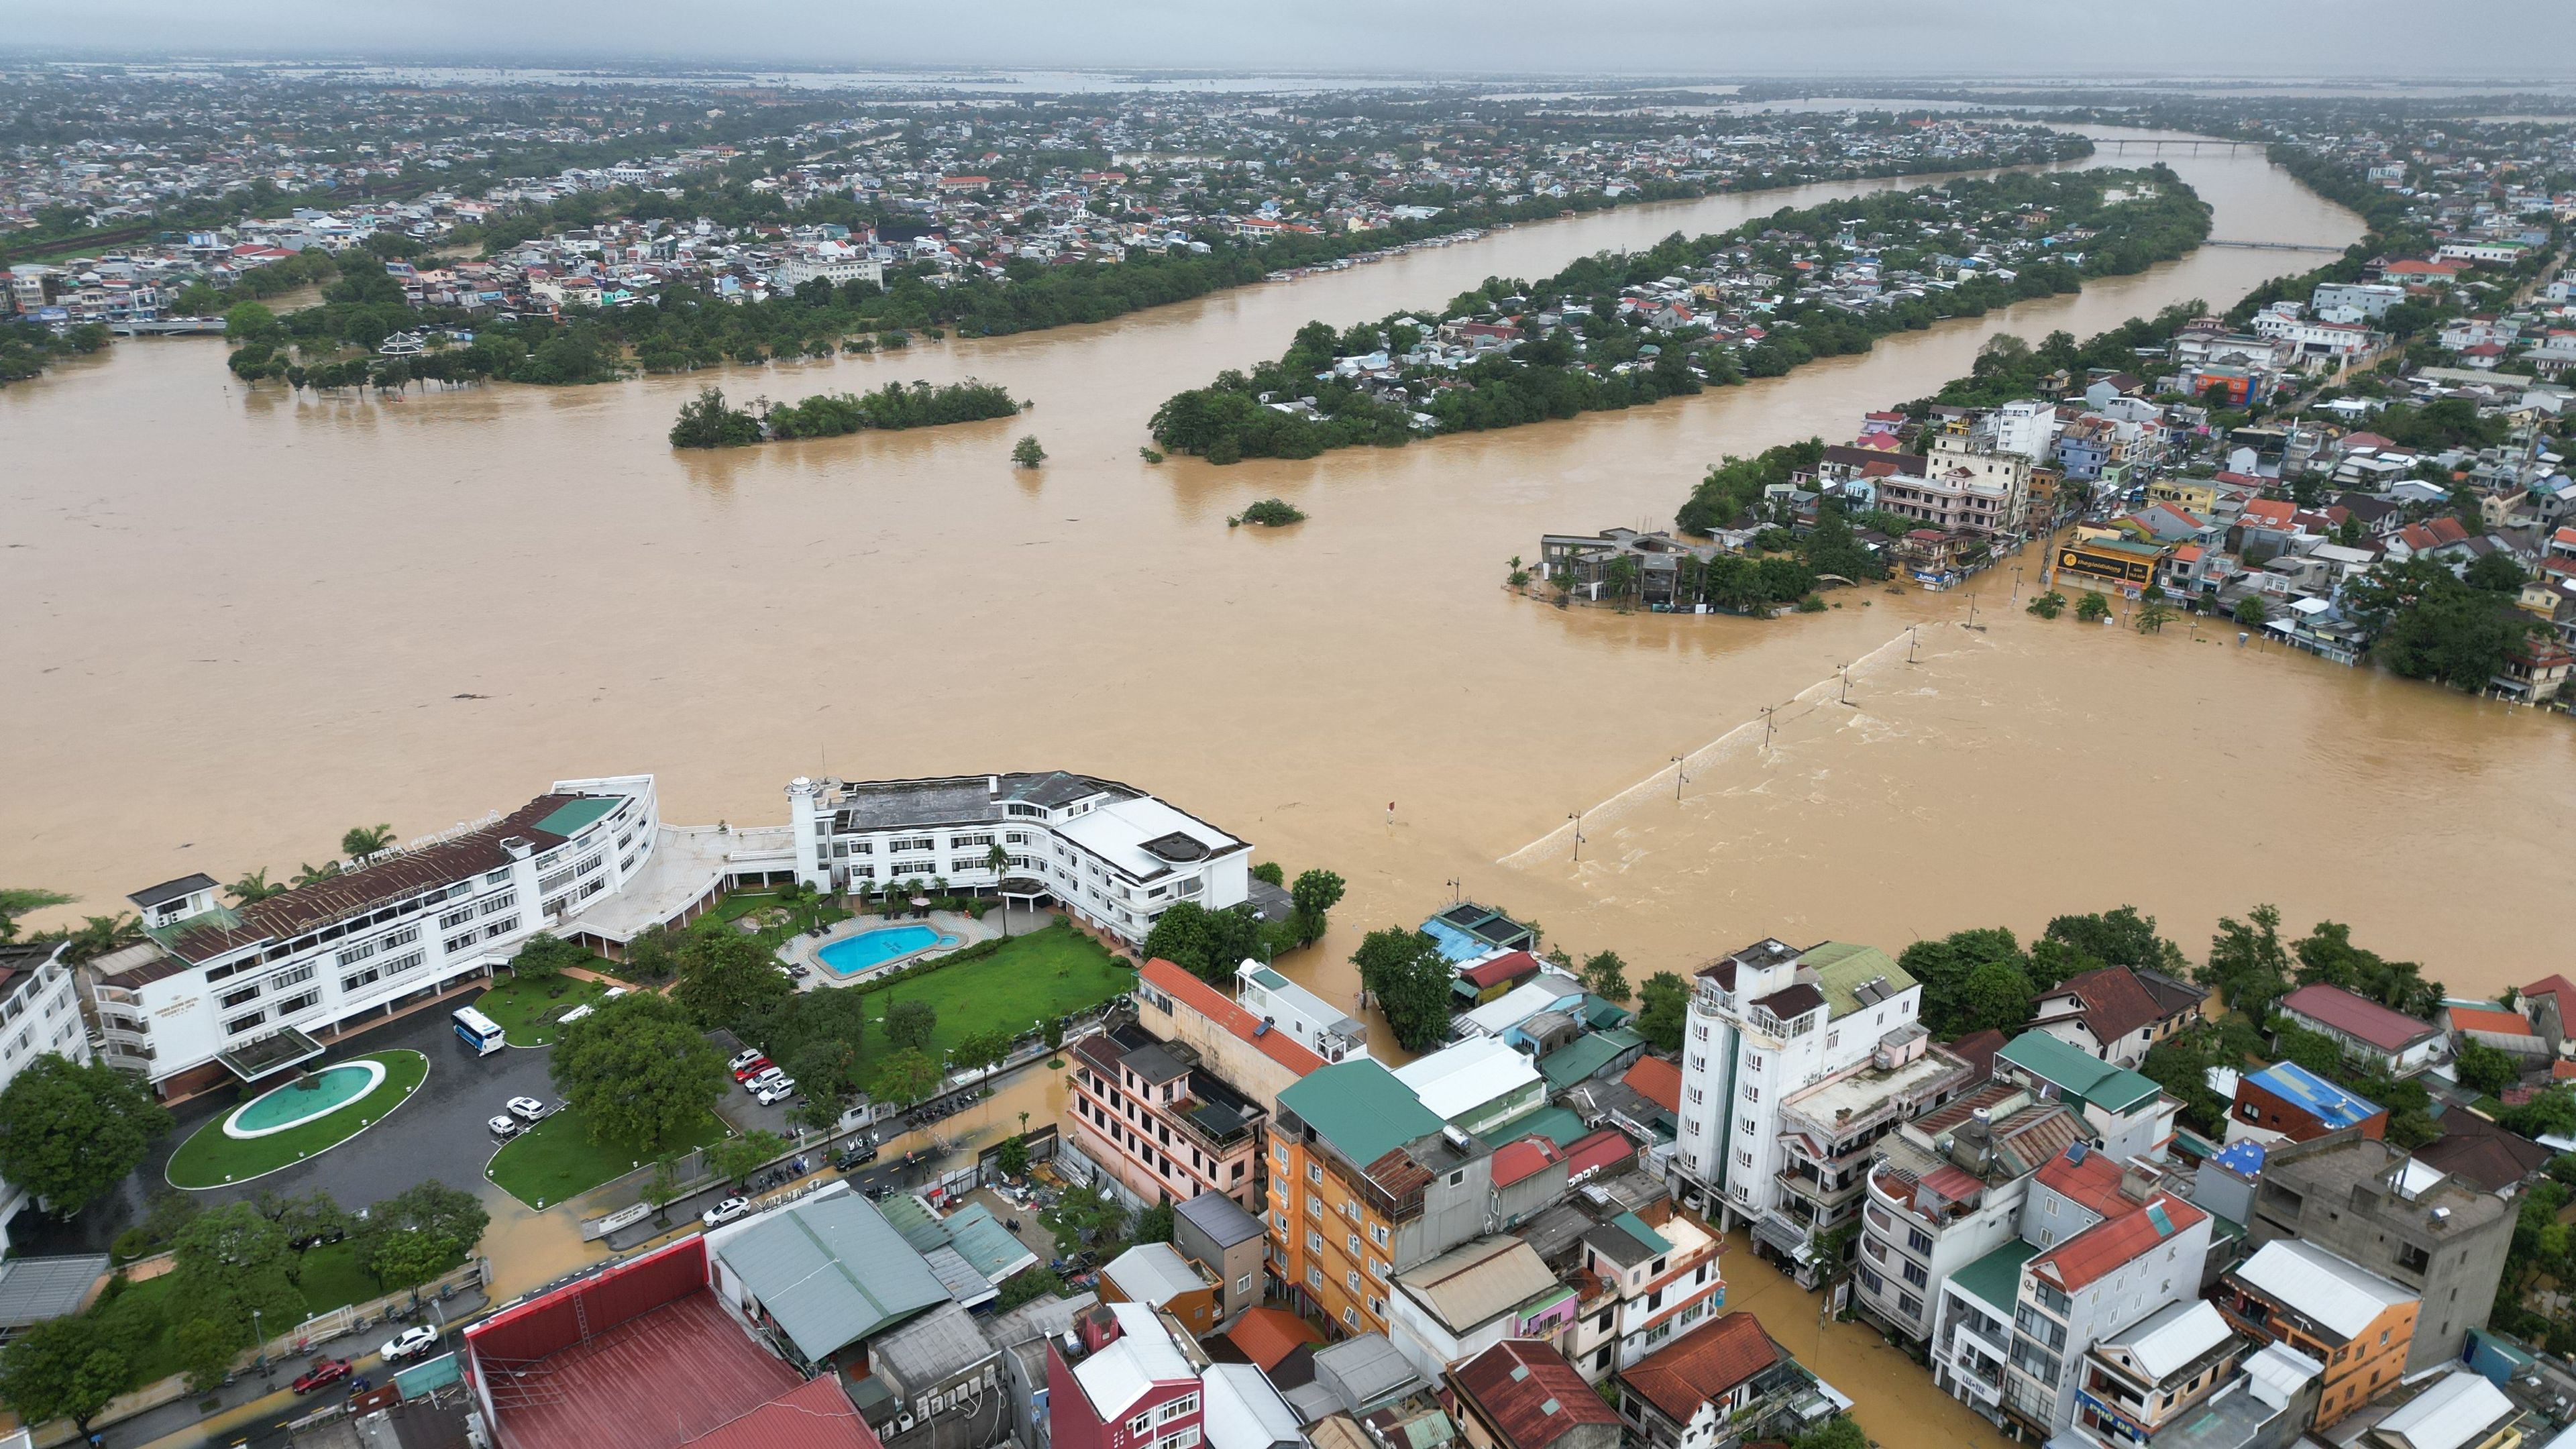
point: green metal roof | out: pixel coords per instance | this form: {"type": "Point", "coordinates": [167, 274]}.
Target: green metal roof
{"type": "Point", "coordinates": [1360, 1108]}
{"type": "Point", "coordinates": [1584, 1056]}
{"type": "Point", "coordinates": [579, 813]}
{"type": "Point", "coordinates": [1996, 1277]}
{"type": "Point", "coordinates": [1556, 1124]}
{"type": "Point", "coordinates": [1842, 969]}
{"type": "Point", "coordinates": [1635, 1227]}
{"type": "Point", "coordinates": [2077, 1073]}
{"type": "Point", "coordinates": [1601, 1014]}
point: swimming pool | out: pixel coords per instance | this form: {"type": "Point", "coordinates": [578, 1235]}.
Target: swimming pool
{"type": "Point", "coordinates": [870, 949]}
{"type": "Point", "coordinates": [299, 1102]}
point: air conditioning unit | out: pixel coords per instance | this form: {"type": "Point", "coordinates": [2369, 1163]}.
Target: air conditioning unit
{"type": "Point", "coordinates": [903, 1425]}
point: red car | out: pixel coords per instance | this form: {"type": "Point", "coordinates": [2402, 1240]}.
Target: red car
{"type": "Point", "coordinates": [325, 1371]}
{"type": "Point", "coordinates": [751, 1069]}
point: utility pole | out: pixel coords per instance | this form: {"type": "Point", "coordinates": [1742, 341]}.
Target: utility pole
{"type": "Point", "coordinates": [1845, 671]}
{"type": "Point", "coordinates": [1577, 818]}
{"type": "Point", "coordinates": [1766, 724]}
{"type": "Point", "coordinates": [1679, 779]}
{"type": "Point", "coordinates": [1911, 639]}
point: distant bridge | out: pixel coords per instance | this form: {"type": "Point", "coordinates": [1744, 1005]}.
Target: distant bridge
{"type": "Point", "coordinates": [2179, 143]}
{"type": "Point", "coordinates": [2264, 246]}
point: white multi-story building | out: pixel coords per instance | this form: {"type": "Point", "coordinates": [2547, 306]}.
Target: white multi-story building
{"type": "Point", "coordinates": [1765, 1023]}
{"type": "Point", "coordinates": [217, 990]}
{"type": "Point", "coordinates": [39, 1016]}
{"type": "Point", "coordinates": [1964, 489]}
{"type": "Point", "coordinates": [834, 262]}
{"type": "Point", "coordinates": [1109, 853]}
{"type": "Point", "coordinates": [1309, 1020]}
{"type": "Point", "coordinates": [2026, 429]}
{"type": "Point", "coordinates": [2365, 300]}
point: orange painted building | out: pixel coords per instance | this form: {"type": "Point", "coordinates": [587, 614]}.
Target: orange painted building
{"type": "Point", "coordinates": [2358, 1324]}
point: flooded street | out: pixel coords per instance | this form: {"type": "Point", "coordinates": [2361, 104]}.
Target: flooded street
{"type": "Point", "coordinates": [270, 618]}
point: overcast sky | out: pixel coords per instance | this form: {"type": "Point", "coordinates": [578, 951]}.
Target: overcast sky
{"type": "Point", "coordinates": [1927, 39]}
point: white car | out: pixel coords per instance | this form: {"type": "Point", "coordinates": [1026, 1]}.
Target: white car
{"type": "Point", "coordinates": [419, 1338]}
{"type": "Point", "coordinates": [725, 1212]}
{"type": "Point", "coordinates": [527, 1109]}
{"type": "Point", "coordinates": [504, 1127]}
{"type": "Point", "coordinates": [761, 1082]}
{"type": "Point", "coordinates": [772, 1093]}
{"type": "Point", "coordinates": [744, 1058]}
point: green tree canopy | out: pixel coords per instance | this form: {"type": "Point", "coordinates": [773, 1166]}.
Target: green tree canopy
{"type": "Point", "coordinates": [728, 978]}
{"type": "Point", "coordinates": [71, 1130]}
{"type": "Point", "coordinates": [638, 1070]}
{"type": "Point", "coordinates": [1207, 944]}
{"type": "Point", "coordinates": [905, 1078]}
{"type": "Point", "coordinates": [64, 1368]}
{"type": "Point", "coordinates": [1606, 976]}
{"type": "Point", "coordinates": [1315, 894]}
{"type": "Point", "coordinates": [1663, 1009]}
{"type": "Point", "coordinates": [547, 954]}
{"type": "Point", "coordinates": [1405, 971]}
{"type": "Point", "coordinates": [910, 1024]}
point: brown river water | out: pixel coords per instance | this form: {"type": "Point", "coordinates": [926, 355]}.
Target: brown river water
{"type": "Point", "coordinates": [274, 618]}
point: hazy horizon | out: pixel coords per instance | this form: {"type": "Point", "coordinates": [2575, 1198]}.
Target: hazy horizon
{"type": "Point", "coordinates": [2293, 40]}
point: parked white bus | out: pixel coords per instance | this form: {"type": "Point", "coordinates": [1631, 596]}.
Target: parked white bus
{"type": "Point", "coordinates": [479, 1031]}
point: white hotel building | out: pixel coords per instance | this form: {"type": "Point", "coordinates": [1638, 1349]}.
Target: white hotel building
{"type": "Point", "coordinates": [216, 990]}
{"type": "Point", "coordinates": [1108, 853]}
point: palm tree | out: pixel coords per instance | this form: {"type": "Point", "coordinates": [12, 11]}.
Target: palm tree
{"type": "Point", "coordinates": [254, 887]}
{"type": "Point", "coordinates": [99, 935]}
{"type": "Point", "coordinates": [997, 860]}
{"type": "Point", "coordinates": [306, 875]}
{"type": "Point", "coordinates": [17, 901]}
{"type": "Point", "coordinates": [359, 841]}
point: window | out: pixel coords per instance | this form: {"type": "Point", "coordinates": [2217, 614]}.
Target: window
{"type": "Point", "coordinates": [1377, 1234]}
{"type": "Point", "coordinates": [295, 1004]}
{"type": "Point", "coordinates": [1919, 1240]}
{"type": "Point", "coordinates": [358, 979]}
{"type": "Point", "coordinates": [1180, 1408]}
{"type": "Point", "coordinates": [240, 1024]}
{"type": "Point", "coordinates": [1351, 1280]}
{"type": "Point", "coordinates": [455, 918]}
{"type": "Point", "coordinates": [1743, 1159]}
{"type": "Point", "coordinates": [1314, 1277]}
{"type": "Point", "coordinates": [1915, 1274]}
{"type": "Point", "coordinates": [1351, 1317]}
{"type": "Point", "coordinates": [1909, 1305]}
{"type": "Point", "coordinates": [1314, 1242]}
{"type": "Point", "coordinates": [455, 944]}
{"type": "Point", "coordinates": [497, 904]}
{"type": "Point", "coordinates": [231, 999]}
{"type": "Point", "coordinates": [1141, 1425]}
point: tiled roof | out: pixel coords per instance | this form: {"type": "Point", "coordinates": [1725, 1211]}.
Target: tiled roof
{"type": "Point", "coordinates": [1529, 1393]}
{"type": "Point", "coordinates": [2493, 1020]}
{"type": "Point", "coordinates": [2091, 1179]}
{"type": "Point", "coordinates": [2113, 1004]}
{"type": "Point", "coordinates": [2358, 1017]}
{"type": "Point", "coordinates": [1267, 1335]}
{"type": "Point", "coordinates": [1704, 1364]}
{"type": "Point", "coordinates": [1215, 1005]}
{"type": "Point", "coordinates": [1658, 1081]}
{"type": "Point", "coordinates": [1509, 966]}
{"type": "Point", "coordinates": [2100, 1250]}
{"type": "Point", "coordinates": [1516, 1161]}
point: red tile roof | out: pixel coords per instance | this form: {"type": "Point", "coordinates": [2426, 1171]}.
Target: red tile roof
{"type": "Point", "coordinates": [1704, 1364]}
{"type": "Point", "coordinates": [1215, 1005]}
{"type": "Point", "coordinates": [2093, 1182]}
{"type": "Point", "coordinates": [1268, 1335]}
{"type": "Point", "coordinates": [1658, 1081]}
{"type": "Point", "coordinates": [1530, 1409]}
{"type": "Point", "coordinates": [2358, 1017]}
{"type": "Point", "coordinates": [2100, 1250]}
{"type": "Point", "coordinates": [2555, 985]}
{"type": "Point", "coordinates": [2273, 511]}
{"type": "Point", "coordinates": [2494, 1020]}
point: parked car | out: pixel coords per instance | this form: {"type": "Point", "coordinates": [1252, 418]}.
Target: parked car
{"type": "Point", "coordinates": [331, 1234]}
{"type": "Point", "coordinates": [527, 1109]}
{"type": "Point", "coordinates": [763, 1077]}
{"type": "Point", "coordinates": [752, 1068]}
{"type": "Point", "coordinates": [775, 1092]}
{"type": "Point", "coordinates": [850, 1159]}
{"type": "Point", "coordinates": [324, 1373]}
{"type": "Point", "coordinates": [418, 1339]}
{"type": "Point", "coordinates": [744, 1059]}
{"type": "Point", "coordinates": [505, 1126]}
{"type": "Point", "coordinates": [724, 1212]}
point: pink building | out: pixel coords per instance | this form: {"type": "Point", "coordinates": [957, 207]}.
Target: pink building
{"type": "Point", "coordinates": [1132, 1382]}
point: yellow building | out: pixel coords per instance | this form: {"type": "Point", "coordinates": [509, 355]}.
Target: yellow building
{"type": "Point", "coordinates": [2197, 496]}
{"type": "Point", "coordinates": [2102, 560]}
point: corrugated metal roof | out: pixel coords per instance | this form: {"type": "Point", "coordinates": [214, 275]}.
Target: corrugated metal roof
{"type": "Point", "coordinates": [1153, 1274]}
{"type": "Point", "coordinates": [1360, 1108]}
{"type": "Point", "coordinates": [1241, 1410]}
{"type": "Point", "coordinates": [2340, 1296]}
{"type": "Point", "coordinates": [933, 1348]}
{"type": "Point", "coordinates": [2458, 1409]}
{"type": "Point", "coordinates": [831, 1270]}
{"type": "Point", "coordinates": [1470, 1285]}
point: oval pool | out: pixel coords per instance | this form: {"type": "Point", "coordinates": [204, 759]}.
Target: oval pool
{"type": "Point", "coordinates": [299, 1102]}
{"type": "Point", "coordinates": [867, 950]}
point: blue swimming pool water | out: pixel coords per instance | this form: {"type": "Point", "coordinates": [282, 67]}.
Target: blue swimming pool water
{"type": "Point", "coordinates": [325, 1089]}
{"type": "Point", "coordinates": [853, 954]}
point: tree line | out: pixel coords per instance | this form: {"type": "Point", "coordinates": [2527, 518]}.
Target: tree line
{"type": "Point", "coordinates": [707, 421]}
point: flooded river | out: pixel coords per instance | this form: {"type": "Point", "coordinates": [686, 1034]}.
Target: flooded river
{"type": "Point", "coordinates": [239, 623]}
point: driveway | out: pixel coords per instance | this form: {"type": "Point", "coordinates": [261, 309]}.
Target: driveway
{"type": "Point", "coordinates": [437, 1134]}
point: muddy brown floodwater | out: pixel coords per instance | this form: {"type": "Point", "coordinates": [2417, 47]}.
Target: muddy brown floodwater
{"type": "Point", "coordinates": [240, 622]}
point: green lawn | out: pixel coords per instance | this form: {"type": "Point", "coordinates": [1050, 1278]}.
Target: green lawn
{"type": "Point", "coordinates": [211, 1159]}
{"type": "Point", "coordinates": [556, 1159]}
{"type": "Point", "coordinates": [528, 1011]}
{"type": "Point", "coordinates": [802, 914]}
{"type": "Point", "coordinates": [1049, 973]}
